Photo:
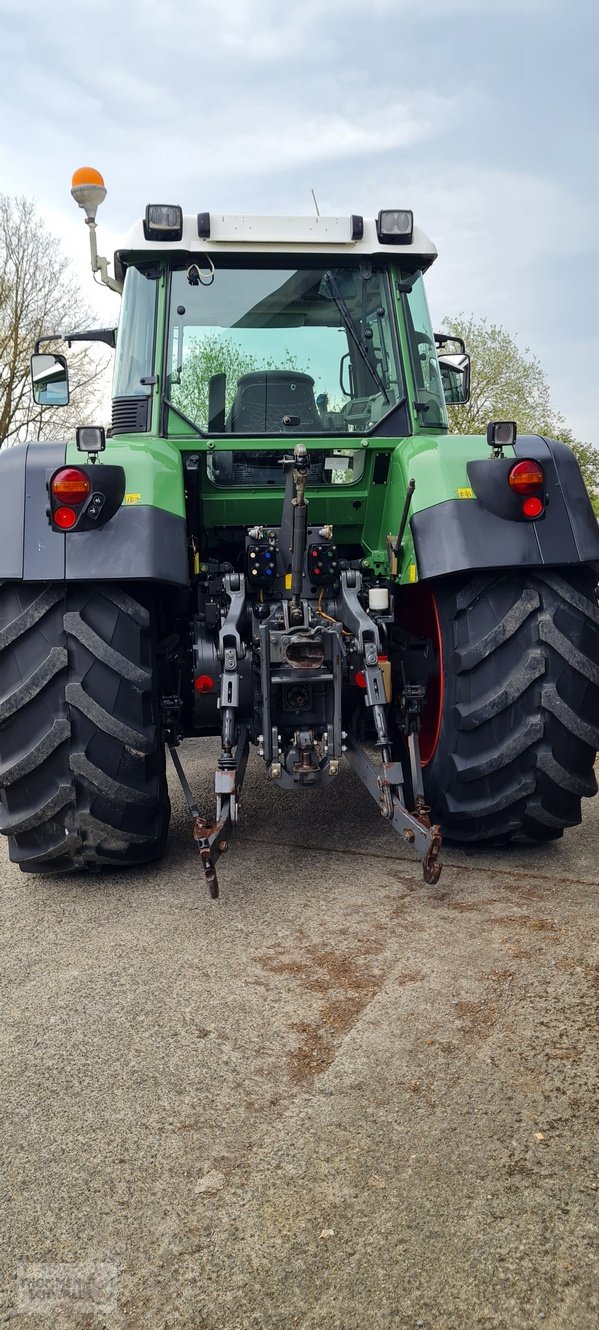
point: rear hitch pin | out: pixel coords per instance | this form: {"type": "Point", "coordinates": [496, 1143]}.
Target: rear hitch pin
{"type": "Point", "coordinates": [211, 838]}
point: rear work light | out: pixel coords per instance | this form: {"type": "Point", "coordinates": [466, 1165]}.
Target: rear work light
{"type": "Point", "coordinates": [163, 221]}
{"type": "Point", "coordinates": [90, 439]}
{"type": "Point", "coordinates": [501, 434]}
{"type": "Point", "coordinates": [70, 485]}
{"type": "Point", "coordinates": [395, 226]}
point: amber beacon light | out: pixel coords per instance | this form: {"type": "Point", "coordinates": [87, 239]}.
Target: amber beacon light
{"type": "Point", "coordinates": [88, 190]}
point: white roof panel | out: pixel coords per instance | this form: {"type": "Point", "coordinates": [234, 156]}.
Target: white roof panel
{"type": "Point", "coordinates": [237, 234]}
{"type": "Point", "coordinates": [228, 229]}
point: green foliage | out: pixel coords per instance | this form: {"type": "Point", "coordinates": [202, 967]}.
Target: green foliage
{"type": "Point", "coordinates": [212, 355]}
{"type": "Point", "coordinates": [509, 383]}
{"type": "Point", "coordinates": [216, 354]}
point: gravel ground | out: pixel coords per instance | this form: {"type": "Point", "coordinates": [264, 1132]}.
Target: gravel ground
{"type": "Point", "coordinates": [335, 1100]}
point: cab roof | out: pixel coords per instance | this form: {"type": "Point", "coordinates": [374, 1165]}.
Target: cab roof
{"type": "Point", "coordinates": [230, 234]}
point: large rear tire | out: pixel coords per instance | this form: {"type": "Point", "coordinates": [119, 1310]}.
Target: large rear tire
{"type": "Point", "coordinates": [511, 727]}
{"type": "Point", "coordinates": [82, 766]}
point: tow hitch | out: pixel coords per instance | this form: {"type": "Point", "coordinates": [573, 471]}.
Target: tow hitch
{"type": "Point", "coordinates": [285, 664]}
{"type": "Point", "coordinates": [211, 838]}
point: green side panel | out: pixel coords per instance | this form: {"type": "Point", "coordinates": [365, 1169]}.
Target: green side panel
{"type": "Point", "coordinates": [153, 469]}
{"type": "Point", "coordinates": [437, 463]}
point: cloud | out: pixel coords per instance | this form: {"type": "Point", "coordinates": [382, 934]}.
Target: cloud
{"type": "Point", "coordinates": [40, 87]}
{"type": "Point", "coordinates": [476, 115]}
{"type": "Point", "coordinates": [300, 136]}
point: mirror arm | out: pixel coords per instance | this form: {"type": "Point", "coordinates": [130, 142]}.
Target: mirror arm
{"type": "Point", "coordinates": [55, 337]}
{"type": "Point", "coordinates": [441, 339]}
{"type": "Point", "coordinates": [107, 335]}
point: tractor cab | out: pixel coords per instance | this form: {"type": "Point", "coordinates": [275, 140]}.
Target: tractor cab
{"type": "Point", "coordinates": [277, 327]}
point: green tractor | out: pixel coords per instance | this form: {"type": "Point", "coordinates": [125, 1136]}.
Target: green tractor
{"type": "Point", "coordinates": [278, 542]}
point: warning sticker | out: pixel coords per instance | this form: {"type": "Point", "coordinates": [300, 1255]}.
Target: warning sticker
{"type": "Point", "coordinates": [288, 581]}
{"type": "Point", "coordinates": [412, 573]}
{"type": "Point", "coordinates": [465, 493]}
{"type": "Point", "coordinates": [133, 498]}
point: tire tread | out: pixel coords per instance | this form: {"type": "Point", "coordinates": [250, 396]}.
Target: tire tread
{"type": "Point", "coordinates": [520, 728]}
{"type": "Point", "coordinates": [80, 788]}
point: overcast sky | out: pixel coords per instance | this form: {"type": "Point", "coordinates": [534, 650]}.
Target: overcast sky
{"type": "Point", "coordinates": [481, 115]}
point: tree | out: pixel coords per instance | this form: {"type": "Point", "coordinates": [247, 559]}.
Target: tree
{"type": "Point", "coordinates": [38, 297]}
{"type": "Point", "coordinates": [216, 354]}
{"type": "Point", "coordinates": [510, 384]}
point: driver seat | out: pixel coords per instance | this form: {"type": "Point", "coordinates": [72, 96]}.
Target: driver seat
{"type": "Point", "coordinates": [265, 397]}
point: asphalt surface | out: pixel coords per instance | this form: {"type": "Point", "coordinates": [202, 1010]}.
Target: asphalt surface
{"type": "Point", "coordinates": [335, 1100]}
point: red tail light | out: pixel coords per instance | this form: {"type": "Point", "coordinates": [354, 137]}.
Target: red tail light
{"type": "Point", "coordinates": [71, 485]}
{"type": "Point", "coordinates": [526, 477]}
{"type": "Point", "coordinates": [533, 506]}
{"type": "Point", "coordinates": [64, 518]}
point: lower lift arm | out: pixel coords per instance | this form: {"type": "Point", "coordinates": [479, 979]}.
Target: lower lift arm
{"type": "Point", "coordinates": [212, 837]}
{"type": "Point", "coordinates": [384, 777]}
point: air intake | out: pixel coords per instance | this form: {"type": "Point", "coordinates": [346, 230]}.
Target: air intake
{"type": "Point", "coordinates": [130, 415]}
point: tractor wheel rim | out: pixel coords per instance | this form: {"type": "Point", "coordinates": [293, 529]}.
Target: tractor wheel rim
{"type": "Point", "coordinates": [420, 616]}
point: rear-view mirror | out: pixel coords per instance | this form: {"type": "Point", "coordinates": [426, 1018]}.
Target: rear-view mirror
{"type": "Point", "coordinates": [455, 377]}
{"type": "Point", "coordinates": [49, 380]}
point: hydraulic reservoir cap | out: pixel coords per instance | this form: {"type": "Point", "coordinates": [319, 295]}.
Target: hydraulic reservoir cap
{"type": "Point", "coordinates": [378, 598]}
{"type": "Point", "coordinates": [204, 683]}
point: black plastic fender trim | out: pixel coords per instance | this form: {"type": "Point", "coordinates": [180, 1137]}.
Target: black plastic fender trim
{"type": "Point", "coordinates": [30, 550]}
{"type": "Point", "coordinates": [585, 526]}
{"type": "Point", "coordinates": [461, 535]}
{"type": "Point", "coordinates": [13, 462]}
{"type": "Point", "coordinates": [139, 544]}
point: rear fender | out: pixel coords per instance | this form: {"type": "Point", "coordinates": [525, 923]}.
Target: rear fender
{"type": "Point", "coordinates": [142, 542]}
{"type": "Point", "coordinates": [475, 533]}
